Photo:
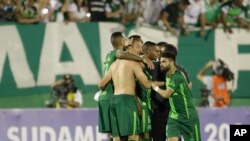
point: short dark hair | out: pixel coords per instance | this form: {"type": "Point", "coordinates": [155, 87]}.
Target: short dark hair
{"type": "Point", "coordinates": [162, 44]}
{"type": "Point", "coordinates": [148, 45]}
{"type": "Point", "coordinates": [168, 47]}
{"type": "Point", "coordinates": [135, 38]}
{"type": "Point", "coordinates": [114, 38]}
{"type": "Point", "coordinates": [172, 49]}
{"type": "Point", "coordinates": [170, 52]}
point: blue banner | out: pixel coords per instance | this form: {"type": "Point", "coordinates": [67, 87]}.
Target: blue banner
{"type": "Point", "coordinates": [50, 125]}
{"type": "Point", "coordinates": [82, 124]}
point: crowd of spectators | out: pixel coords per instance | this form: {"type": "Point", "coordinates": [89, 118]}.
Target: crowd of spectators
{"type": "Point", "coordinates": [175, 16]}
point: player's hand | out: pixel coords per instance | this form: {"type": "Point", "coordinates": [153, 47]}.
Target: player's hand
{"type": "Point", "coordinates": [154, 85]}
{"type": "Point", "coordinates": [97, 95]}
{"type": "Point", "coordinates": [149, 63]}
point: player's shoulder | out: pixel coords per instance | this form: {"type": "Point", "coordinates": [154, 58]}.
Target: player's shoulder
{"type": "Point", "coordinates": [180, 67]}
{"type": "Point", "coordinates": [135, 64]}
{"type": "Point", "coordinates": [178, 74]}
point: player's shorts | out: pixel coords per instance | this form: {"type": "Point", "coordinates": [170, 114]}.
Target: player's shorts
{"type": "Point", "coordinates": [124, 115]}
{"type": "Point", "coordinates": [104, 116]}
{"type": "Point", "coordinates": [190, 129]}
{"type": "Point", "coordinates": [146, 118]}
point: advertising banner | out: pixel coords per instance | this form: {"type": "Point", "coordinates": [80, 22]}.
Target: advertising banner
{"type": "Point", "coordinates": [82, 124]}
{"type": "Point", "coordinates": [44, 52]}
{"type": "Point", "coordinates": [215, 122]}
{"type": "Point", "coordinates": [50, 125]}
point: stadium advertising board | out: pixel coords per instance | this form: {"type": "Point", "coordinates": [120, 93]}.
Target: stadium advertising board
{"type": "Point", "coordinates": [33, 56]}
{"type": "Point", "coordinates": [81, 125]}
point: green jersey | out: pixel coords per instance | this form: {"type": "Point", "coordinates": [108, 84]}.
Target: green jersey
{"type": "Point", "coordinates": [212, 11]}
{"type": "Point", "coordinates": [107, 92]}
{"type": "Point", "coordinates": [144, 93]}
{"type": "Point", "coordinates": [181, 103]}
{"type": "Point", "coordinates": [233, 12]}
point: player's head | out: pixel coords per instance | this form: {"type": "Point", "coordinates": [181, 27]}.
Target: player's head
{"type": "Point", "coordinates": [118, 40]}
{"type": "Point", "coordinates": [150, 51]}
{"type": "Point", "coordinates": [162, 46]}
{"type": "Point", "coordinates": [168, 58]}
{"type": "Point", "coordinates": [135, 43]}
{"type": "Point", "coordinates": [165, 47]}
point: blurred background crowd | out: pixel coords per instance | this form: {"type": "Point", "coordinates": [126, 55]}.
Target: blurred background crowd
{"type": "Point", "coordinates": [175, 16]}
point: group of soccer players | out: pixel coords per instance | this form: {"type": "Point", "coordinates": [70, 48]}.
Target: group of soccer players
{"type": "Point", "coordinates": [139, 79]}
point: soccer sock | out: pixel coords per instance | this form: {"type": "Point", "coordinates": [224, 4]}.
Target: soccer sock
{"type": "Point", "coordinates": [146, 139]}
{"type": "Point", "coordinates": [111, 139]}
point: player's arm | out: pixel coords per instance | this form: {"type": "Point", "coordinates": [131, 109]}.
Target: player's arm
{"type": "Point", "coordinates": [171, 87]}
{"type": "Point", "coordinates": [107, 77]}
{"type": "Point", "coordinates": [164, 93]}
{"type": "Point", "coordinates": [141, 77]}
{"type": "Point", "coordinates": [128, 56]}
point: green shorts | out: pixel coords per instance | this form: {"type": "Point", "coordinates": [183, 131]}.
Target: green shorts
{"type": "Point", "coordinates": [190, 130]}
{"type": "Point", "coordinates": [104, 116]}
{"type": "Point", "coordinates": [146, 118]}
{"type": "Point", "coordinates": [124, 115]}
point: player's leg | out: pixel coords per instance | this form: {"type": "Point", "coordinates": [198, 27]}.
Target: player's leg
{"type": "Point", "coordinates": [173, 130]}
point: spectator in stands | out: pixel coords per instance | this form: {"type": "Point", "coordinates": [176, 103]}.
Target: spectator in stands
{"type": "Point", "coordinates": [45, 10]}
{"type": "Point", "coordinates": [152, 10]}
{"type": "Point", "coordinates": [114, 10]}
{"type": "Point", "coordinates": [133, 10]}
{"type": "Point", "coordinates": [97, 10]}
{"type": "Point", "coordinates": [7, 10]}
{"type": "Point", "coordinates": [78, 11]}
{"type": "Point", "coordinates": [233, 12]}
{"type": "Point", "coordinates": [212, 12]}
{"type": "Point", "coordinates": [172, 16]}
{"type": "Point", "coordinates": [195, 15]}
{"type": "Point", "coordinates": [217, 82]}
{"type": "Point", "coordinates": [27, 12]}
{"type": "Point", "coordinates": [246, 5]}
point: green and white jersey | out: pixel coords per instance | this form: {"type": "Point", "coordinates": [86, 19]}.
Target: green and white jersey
{"type": "Point", "coordinates": [181, 103]}
{"type": "Point", "coordinates": [108, 91]}
{"type": "Point", "coordinates": [144, 93]}
{"type": "Point", "coordinates": [212, 11]}
{"type": "Point", "coordinates": [232, 11]}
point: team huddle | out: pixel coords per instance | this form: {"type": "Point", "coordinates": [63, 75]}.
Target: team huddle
{"type": "Point", "coordinates": [140, 79]}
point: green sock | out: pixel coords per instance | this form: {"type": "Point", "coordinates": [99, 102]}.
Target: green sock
{"type": "Point", "coordinates": [111, 139]}
{"type": "Point", "coordinates": [146, 139]}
